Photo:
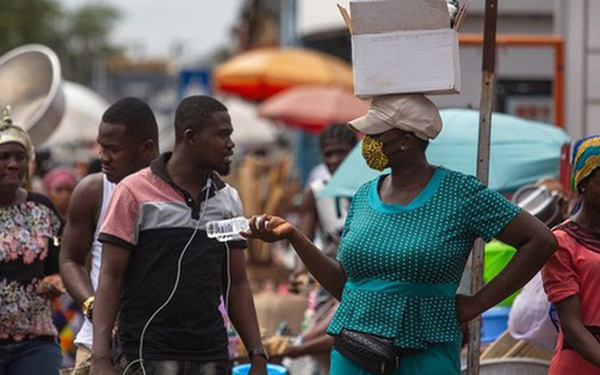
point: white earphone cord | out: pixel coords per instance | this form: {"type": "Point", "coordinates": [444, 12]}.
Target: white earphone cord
{"type": "Point", "coordinates": [176, 285]}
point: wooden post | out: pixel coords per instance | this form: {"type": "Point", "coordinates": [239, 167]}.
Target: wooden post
{"type": "Point", "coordinates": [483, 159]}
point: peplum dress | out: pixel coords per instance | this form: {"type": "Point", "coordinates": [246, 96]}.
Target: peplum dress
{"type": "Point", "coordinates": [404, 263]}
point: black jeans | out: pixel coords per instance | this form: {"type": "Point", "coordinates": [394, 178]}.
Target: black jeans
{"type": "Point", "coordinates": [170, 367]}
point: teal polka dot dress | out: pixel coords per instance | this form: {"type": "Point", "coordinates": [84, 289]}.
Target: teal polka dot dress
{"type": "Point", "coordinates": [404, 263]}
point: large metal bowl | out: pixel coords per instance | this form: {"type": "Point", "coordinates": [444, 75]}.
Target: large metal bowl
{"type": "Point", "coordinates": [30, 81]}
{"type": "Point", "coordinates": [512, 366]}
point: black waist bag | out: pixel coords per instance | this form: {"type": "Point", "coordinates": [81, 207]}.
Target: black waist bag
{"type": "Point", "coordinates": [373, 353]}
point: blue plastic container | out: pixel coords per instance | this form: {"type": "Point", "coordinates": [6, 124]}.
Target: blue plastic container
{"type": "Point", "coordinates": [271, 369]}
{"type": "Point", "coordinates": [493, 323]}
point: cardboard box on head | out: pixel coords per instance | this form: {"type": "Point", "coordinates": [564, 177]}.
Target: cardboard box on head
{"type": "Point", "coordinates": [403, 46]}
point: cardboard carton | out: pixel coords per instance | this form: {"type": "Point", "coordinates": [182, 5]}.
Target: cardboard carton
{"type": "Point", "coordinates": [403, 46]}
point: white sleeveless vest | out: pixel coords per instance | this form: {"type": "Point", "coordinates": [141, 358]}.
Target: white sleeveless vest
{"type": "Point", "coordinates": [85, 335]}
{"type": "Point", "coordinates": [331, 212]}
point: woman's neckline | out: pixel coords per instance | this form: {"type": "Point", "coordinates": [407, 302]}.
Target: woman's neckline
{"type": "Point", "coordinates": [584, 230]}
{"type": "Point", "coordinates": [421, 199]}
{"type": "Point", "coordinates": [19, 198]}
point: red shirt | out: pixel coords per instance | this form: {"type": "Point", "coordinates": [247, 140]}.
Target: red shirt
{"type": "Point", "coordinates": [573, 270]}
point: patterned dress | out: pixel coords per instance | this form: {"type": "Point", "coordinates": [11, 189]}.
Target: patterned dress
{"type": "Point", "coordinates": [404, 264]}
{"type": "Point", "coordinates": [28, 253]}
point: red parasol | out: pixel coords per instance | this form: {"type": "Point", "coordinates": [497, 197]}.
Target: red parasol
{"type": "Point", "coordinates": [313, 107]}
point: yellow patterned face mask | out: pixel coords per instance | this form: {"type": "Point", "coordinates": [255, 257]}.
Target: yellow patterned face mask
{"type": "Point", "coordinates": [372, 151]}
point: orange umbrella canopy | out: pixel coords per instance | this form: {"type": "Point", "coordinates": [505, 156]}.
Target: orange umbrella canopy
{"type": "Point", "coordinates": [261, 73]}
{"type": "Point", "coordinates": [313, 107]}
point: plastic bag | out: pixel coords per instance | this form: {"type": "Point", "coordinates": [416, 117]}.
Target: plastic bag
{"type": "Point", "coordinates": [529, 318]}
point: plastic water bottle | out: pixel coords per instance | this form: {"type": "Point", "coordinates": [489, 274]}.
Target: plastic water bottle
{"type": "Point", "coordinates": [227, 230]}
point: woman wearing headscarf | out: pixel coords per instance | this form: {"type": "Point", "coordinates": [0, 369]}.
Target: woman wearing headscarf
{"type": "Point", "coordinates": [29, 226]}
{"type": "Point", "coordinates": [59, 184]}
{"type": "Point", "coordinates": [572, 275]}
{"type": "Point", "coordinates": [404, 246]}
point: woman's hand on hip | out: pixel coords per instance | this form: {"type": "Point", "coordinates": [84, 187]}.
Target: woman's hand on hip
{"type": "Point", "coordinates": [467, 307]}
{"type": "Point", "coordinates": [268, 228]}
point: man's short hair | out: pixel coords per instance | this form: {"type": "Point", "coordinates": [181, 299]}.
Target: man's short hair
{"type": "Point", "coordinates": [135, 115]}
{"type": "Point", "coordinates": [195, 112]}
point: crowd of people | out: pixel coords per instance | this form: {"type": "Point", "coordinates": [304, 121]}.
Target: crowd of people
{"type": "Point", "coordinates": [129, 246]}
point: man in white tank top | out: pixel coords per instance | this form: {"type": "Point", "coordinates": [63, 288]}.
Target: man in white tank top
{"type": "Point", "coordinates": [328, 214]}
{"type": "Point", "coordinates": [128, 140]}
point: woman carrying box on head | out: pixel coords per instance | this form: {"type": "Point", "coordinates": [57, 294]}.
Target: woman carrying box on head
{"type": "Point", "coordinates": [404, 247]}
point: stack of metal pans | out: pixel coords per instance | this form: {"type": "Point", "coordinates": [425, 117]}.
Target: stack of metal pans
{"type": "Point", "coordinates": [31, 83]}
{"type": "Point", "coordinates": [540, 202]}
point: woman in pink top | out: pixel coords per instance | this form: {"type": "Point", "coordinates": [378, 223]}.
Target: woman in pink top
{"type": "Point", "coordinates": [572, 275]}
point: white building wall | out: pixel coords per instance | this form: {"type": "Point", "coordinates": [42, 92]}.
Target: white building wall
{"type": "Point", "coordinates": [581, 26]}
{"type": "Point", "coordinates": [511, 62]}
{"type": "Point", "coordinates": [322, 15]}
{"type": "Point", "coordinates": [573, 12]}
{"type": "Point", "coordinates": [515, 17]}
{"type": "Point", "coordinates": [520, 7]}
{"type": "Point", "coordinates": [577, 20]}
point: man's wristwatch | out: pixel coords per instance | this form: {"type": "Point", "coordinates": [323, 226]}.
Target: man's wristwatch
{"type": "Point", "coordinates": [87, 307]}
{"type": "Point", "coordinates": [262, 351]}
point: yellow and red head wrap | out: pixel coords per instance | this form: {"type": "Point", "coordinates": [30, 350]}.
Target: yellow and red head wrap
{"type": "Point", "coordinates": [586, 158]}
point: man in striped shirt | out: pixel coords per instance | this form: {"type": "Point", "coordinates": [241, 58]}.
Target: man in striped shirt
{"type": "Point", "coordinates": [160, 268]}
